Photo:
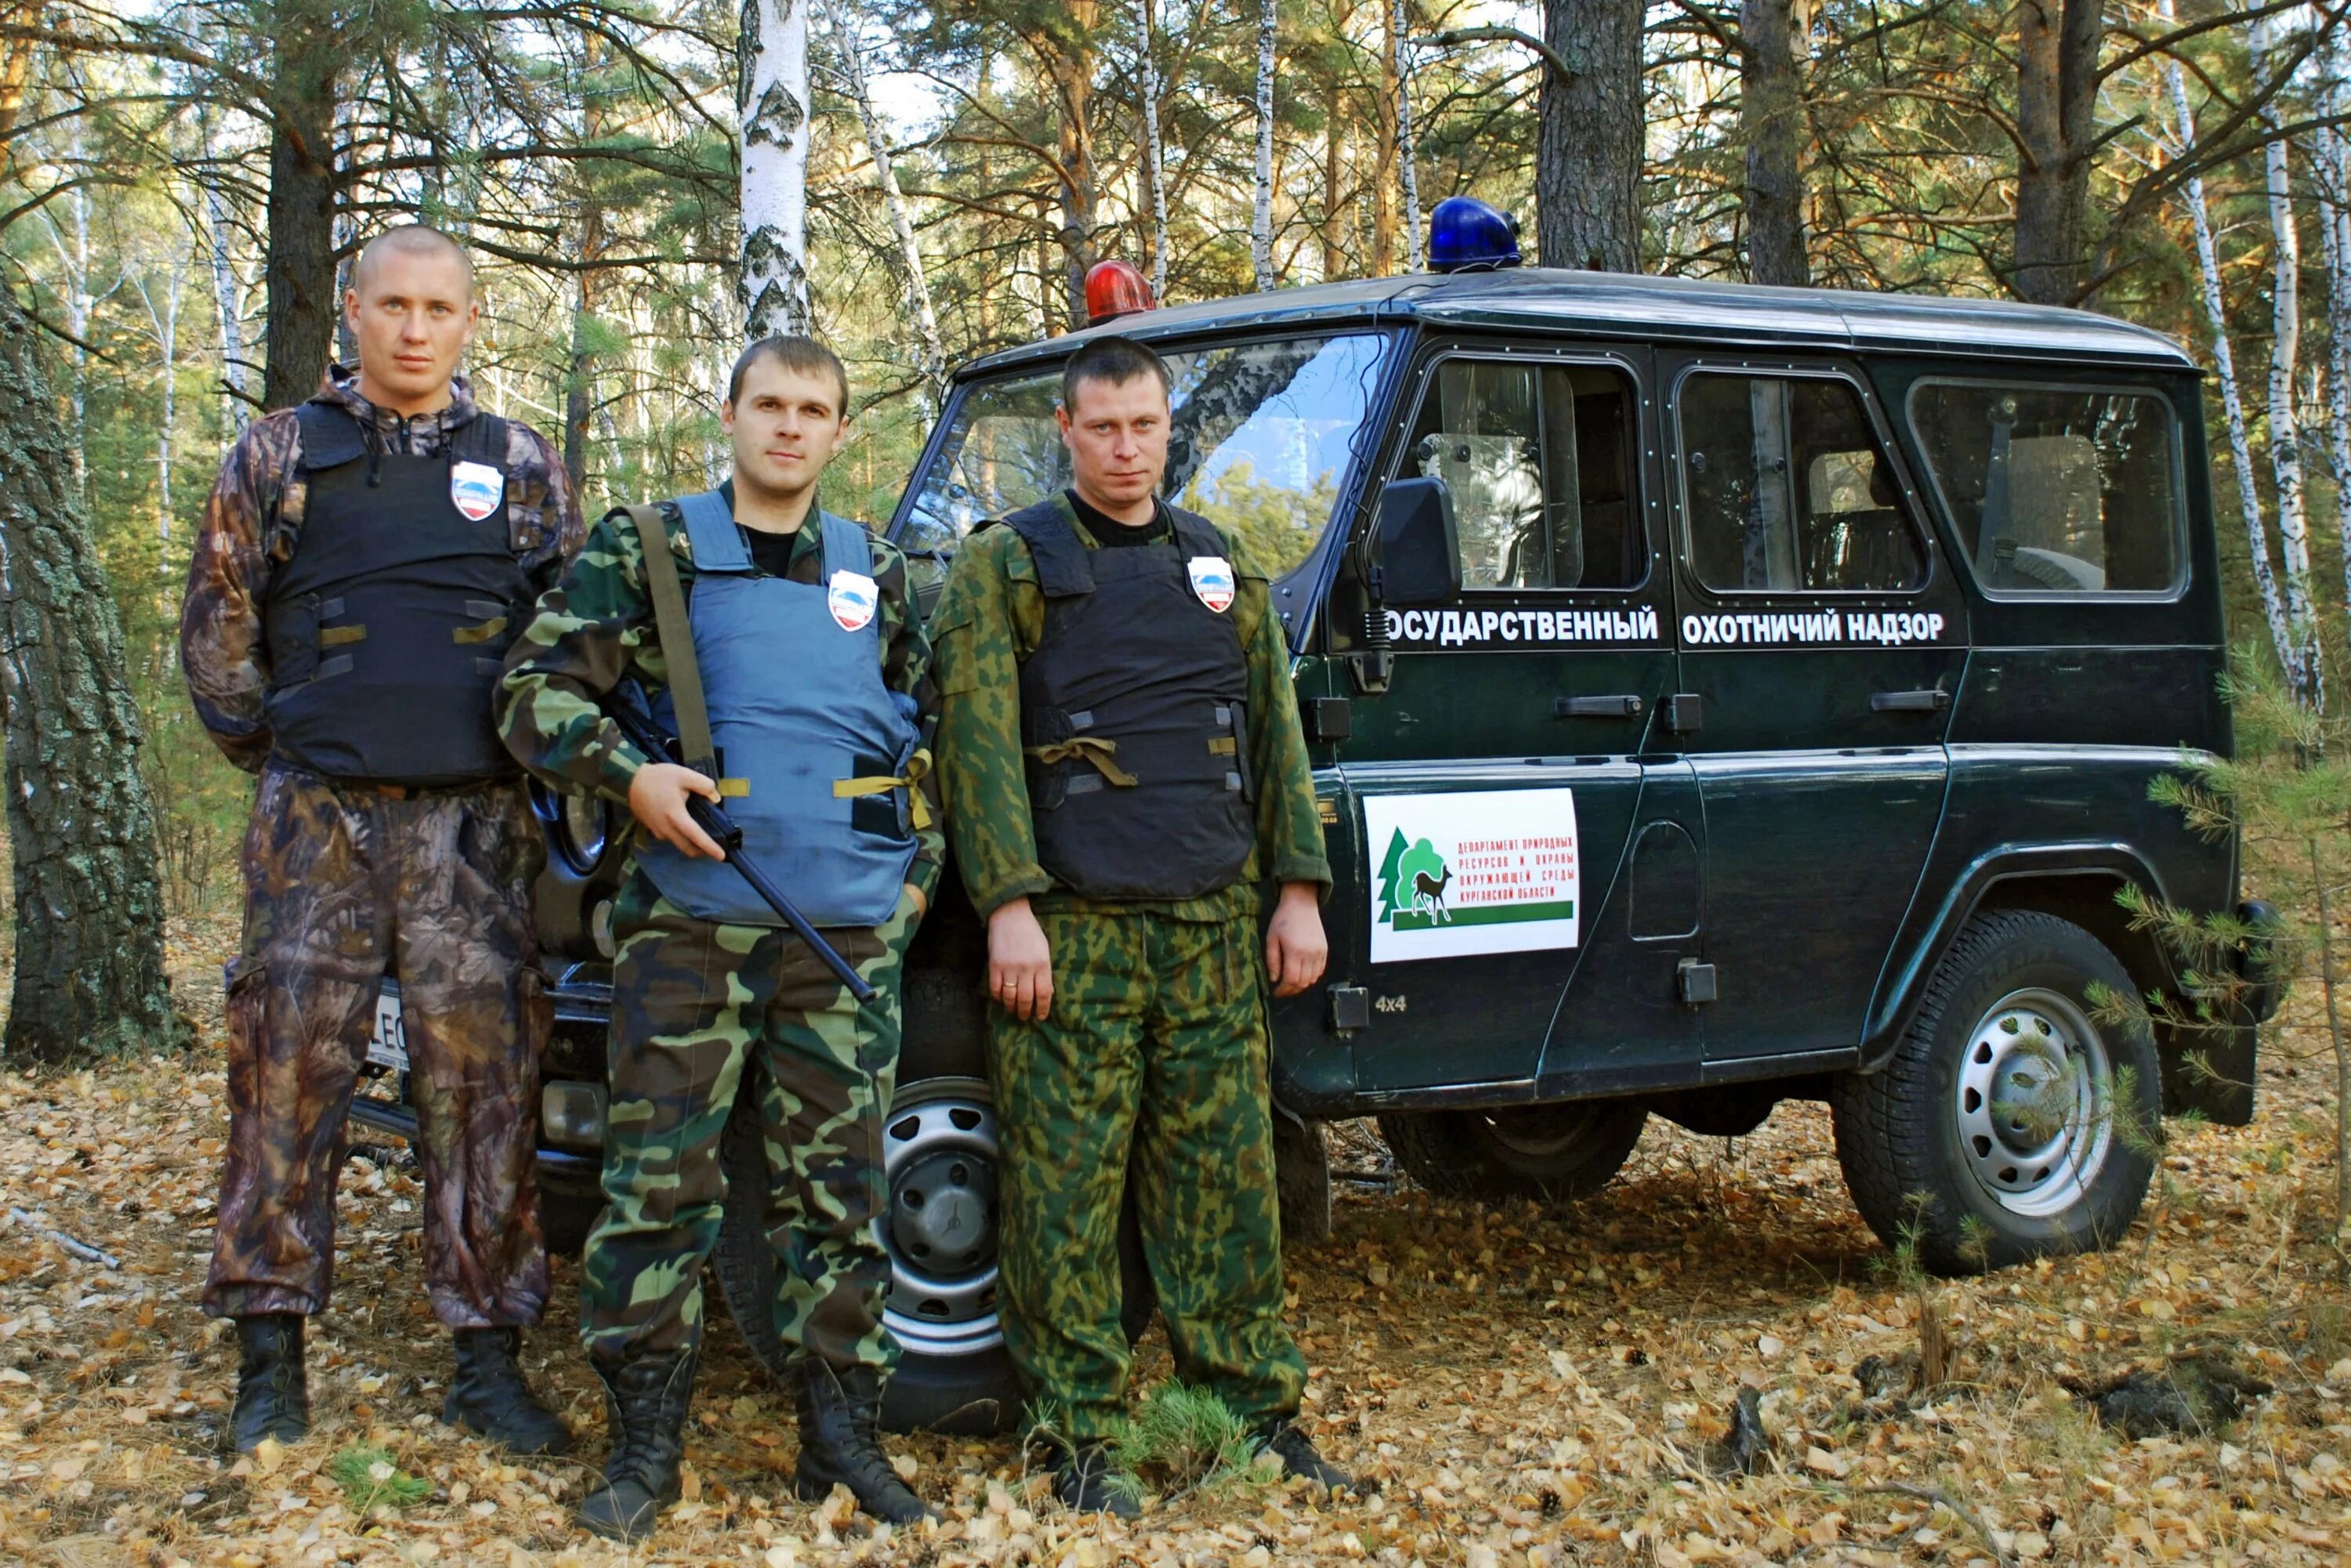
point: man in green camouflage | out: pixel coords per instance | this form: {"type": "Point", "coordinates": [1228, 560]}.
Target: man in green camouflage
{"type": "Point", "coordinates": [1123, 772]}
{"type": "Point", "coordinates": [813, 669]}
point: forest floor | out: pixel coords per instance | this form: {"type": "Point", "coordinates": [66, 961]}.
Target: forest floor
{"type": "Point", "coordinates": [1522, 1385]}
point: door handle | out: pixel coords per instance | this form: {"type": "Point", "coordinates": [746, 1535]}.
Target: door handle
{"type": "Point", "coordinates": [1597, 707]}
{"type": "Point", "coordinates": [1934, 701]}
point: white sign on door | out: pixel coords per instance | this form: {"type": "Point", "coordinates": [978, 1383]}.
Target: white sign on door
{"type": "Point", "coordinates": [1474, 871]}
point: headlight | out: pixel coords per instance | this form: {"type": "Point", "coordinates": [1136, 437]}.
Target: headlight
{"type": "Point", "coordinates": [587, 827]}
{"type": "Point", "coordinates": [573, 1114]}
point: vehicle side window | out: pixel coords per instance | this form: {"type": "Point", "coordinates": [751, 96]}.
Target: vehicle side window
{"type": "Point", "coordinates": [1787, 491]}
{"type": "Point", "coordinates": [2055, 491]}
{"type": "Point", "coordinates": [1539, 458]}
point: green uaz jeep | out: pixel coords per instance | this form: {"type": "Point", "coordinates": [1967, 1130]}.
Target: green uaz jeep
{"type": "Point", "coordinates": [1718, 696]}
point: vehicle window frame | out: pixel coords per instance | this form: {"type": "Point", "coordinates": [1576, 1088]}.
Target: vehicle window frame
{"type": "Point", "coordinates": [2183, 568]}
{"type": "Point", "coordinates": [1413, 397]}
{"type": "Point", "coordinates": [1889, 451]}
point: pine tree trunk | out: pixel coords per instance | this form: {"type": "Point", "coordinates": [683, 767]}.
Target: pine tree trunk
{"type": "Point", "coordinates": [1334, 174]}
{"type": "Point", "coordinates": [1390, 145]}
{"type": "Point", "coordinates": [90, 940]}
{"type": "Point", "coordinates": [1588, 138]}
{"type": "Point", "coordinates": [302, 304]}
{"type": "Point", "coordinates": [2056, 116]}
{"type": "Point", "coordinates": [1771, 115]}
{"type": "Point", "coordinates": [1261, 216]}
{"type": "Point", "coordinates": [772, 96]}
{"type": "Point", "coordinates": [1072, 71]}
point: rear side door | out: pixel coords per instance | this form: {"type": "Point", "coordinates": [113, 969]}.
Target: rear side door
{"type": "Point", "coordinates": [1498, 781]}
{"type": "Point", "coordinates": [1822, 644]}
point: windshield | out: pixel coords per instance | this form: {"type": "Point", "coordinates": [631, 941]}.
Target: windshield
{"type": "Point", "coordinates": [1261, 444]}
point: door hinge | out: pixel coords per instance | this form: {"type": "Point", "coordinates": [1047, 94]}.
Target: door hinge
{"type": "Point", "coordinates": [1371, 672]}
{"type": "Point", "coordinates": [1329, 720]}
{"type": "Point", "coordinates": [1696, 982]}
{"type": "Point", "coordinates": [1685, 713]}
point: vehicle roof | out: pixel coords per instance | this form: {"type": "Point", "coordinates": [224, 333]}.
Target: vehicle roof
{"type": "Point", "coordinates": [1632, 305]}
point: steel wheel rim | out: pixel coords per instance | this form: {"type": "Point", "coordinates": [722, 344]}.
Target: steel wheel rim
{"type": "Point", "coordinates": [1542, 1132]}
{"type": "Point", "coordinates": [2033, 1103]}
{"type": "Point", "coordinates": [939, 1149]}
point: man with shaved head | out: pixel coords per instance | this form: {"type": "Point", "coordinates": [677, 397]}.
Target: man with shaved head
{"type": "Point", "coordinates": [364, 561]}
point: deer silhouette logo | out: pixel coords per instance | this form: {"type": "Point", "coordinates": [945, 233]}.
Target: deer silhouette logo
{"type": "Point", "coordinates": [1429, 895]}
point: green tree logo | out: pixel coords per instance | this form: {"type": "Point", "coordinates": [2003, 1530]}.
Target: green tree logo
{"type": "Point", "coordinates": [1406, 871]}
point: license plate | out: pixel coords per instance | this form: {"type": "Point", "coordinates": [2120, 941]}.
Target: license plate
{"type": "Point", "coordinates": [388, 1047]}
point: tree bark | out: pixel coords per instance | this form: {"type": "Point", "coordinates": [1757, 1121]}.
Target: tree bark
{"type": "Point", "coordinates": [1071, 62]}
{"type": "Point", "coordinates": [1334, 174]}
{"type": "Point", "coordinates": [1155, 152]}
{"type": "Point", "coordinates": [1407, 155]}
{"type": "Point", "coordinates": [1261, 214]}
{"type": "Point", "coordinates": [89, 977]}
{"type": "Point", "coordinates": [2056, 120]}
{"type": "Point", "coordinates": [302, 306]}
{"type": "Point", "coordinates": [1384, 115]}
{"type": "Point", "coordinates": [2224, 366]}
{"type": "Point", "coordinates": [772, 96]}
{"type": "Point", "coordinates": [931, 355]}
{"type": "Point", "coordinates": [2306, 670]}
{"type": "Point", "coordinates": [1588, 138]}
{"type": "Point", "coordinates": [1771, 115]}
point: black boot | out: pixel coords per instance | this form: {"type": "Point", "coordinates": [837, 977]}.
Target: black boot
{"type": "Point", "coordinates": [489, 1395]}
{"type": "Point", "coordinates": [645, 1400]}
{"type": "Point", "coordinates": [273, 1397]}
{"type": "Point", "coordinates": [1084, 1480]}
{"type": "Point", "coordinates": [839, 1411]}
{"type": "Point", "coordinates": [1298, 1457]}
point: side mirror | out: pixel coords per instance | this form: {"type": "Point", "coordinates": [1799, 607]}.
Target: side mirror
{"type": "Point", "coordinates": [1419, 552]}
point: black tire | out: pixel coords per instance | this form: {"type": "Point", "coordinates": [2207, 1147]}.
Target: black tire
{"type": "Point", "coordinates": [1971, 1180]}
{"type": "Point", "coordinates": [953, 1373]}
{"type": "Point", "coordinates": [1551, 1154]}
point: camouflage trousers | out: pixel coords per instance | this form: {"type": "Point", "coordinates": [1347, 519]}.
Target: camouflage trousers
{"type": "Point", "coordinates": [1152, 1063]}
{"type": "Point", "coordinates": [694, 1006]}
{"type": "Point", "coordinates": [342, 882]}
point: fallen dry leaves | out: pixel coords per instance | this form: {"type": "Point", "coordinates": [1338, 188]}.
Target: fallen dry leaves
{"type": "Point", "coordinates": [1525, 1387]}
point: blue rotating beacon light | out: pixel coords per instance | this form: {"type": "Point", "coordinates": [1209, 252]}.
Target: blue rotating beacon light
{"type": "Point", "coordinates": [1466, 234]}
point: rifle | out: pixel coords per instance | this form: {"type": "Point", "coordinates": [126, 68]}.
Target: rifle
{"type": "Point", "coordinates": [647, 738]}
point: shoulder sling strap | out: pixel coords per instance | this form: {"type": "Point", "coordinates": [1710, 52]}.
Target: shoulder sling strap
{"type": "Point", "coordinates": [676, 633]}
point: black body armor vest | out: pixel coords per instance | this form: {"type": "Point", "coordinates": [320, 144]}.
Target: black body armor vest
{"type": "Point", "coordinates": [1132, 714]}
{"type": "Point", "coordinates": [387, 627]}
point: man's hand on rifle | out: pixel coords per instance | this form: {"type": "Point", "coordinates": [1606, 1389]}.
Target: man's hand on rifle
{"type": "Point", "coordinates": [658, 795]}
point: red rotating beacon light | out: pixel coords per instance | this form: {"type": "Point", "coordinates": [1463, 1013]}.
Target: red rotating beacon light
{"type": "Point", "coordinates": [1115, 288]}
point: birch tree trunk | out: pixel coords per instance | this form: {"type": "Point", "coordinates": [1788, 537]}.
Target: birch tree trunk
{"type": "Point", "coordinates": [1407, 161]}
{"type": "Point", "coordinates": [2335, 234]}
{"type": "Point", "coordinates": [2224, 365]}
{"type": "Point", "coordinates": [229, 297]}
{"type": "Point", "coordinates": [931, 354]}
{"type": "Point", "coordinates": [1262, 221]}
{"type": "Point", "coordinates": [165, 319]}
{"type": "Point", "coordinates": [2303, 670]}
{"type": "Point", "coordinates": [89, 977]}
{"type": "Point", "coordinates": [1154, 154]}
{"type": "Point", "coordinates": [771, 95]}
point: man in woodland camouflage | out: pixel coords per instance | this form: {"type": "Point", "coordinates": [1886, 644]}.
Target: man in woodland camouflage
{"type": "Point", "coordinates": [812, 672]}
{"type": "Point", "coordinates": [1123, 772]}
{"type": "Point", "coordinates": [362, 561]}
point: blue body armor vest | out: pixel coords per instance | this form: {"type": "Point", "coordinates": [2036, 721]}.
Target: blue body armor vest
{"type": "Point", "coordinates": [791, 672]}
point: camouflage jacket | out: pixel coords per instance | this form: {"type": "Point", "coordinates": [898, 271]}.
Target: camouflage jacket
{"type": "Point", "coordinates": [990, 618]}
{"type": "Point", "coordinates": [596, 629]}
{"type": "Point", "coordinates": [254, 517]}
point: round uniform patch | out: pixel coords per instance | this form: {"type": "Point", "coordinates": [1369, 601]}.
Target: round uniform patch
{"type": "Point", "coordinates": [475, 489]}
{"type": "Point", "coordinates": [852, 599]}
{"type": "Point", "coordinates": [1212, 581]}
